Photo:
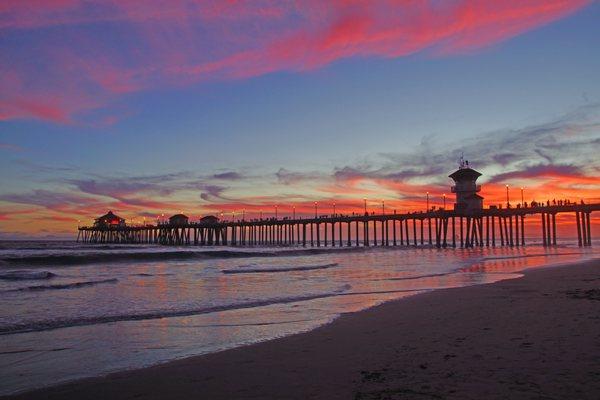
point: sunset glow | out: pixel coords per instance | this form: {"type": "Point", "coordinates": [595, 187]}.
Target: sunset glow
{"type": "Point", "coordinates": [232, 107]}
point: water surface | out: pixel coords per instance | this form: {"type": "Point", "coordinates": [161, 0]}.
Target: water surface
{"type": "Point", "coordinates": [73, 310]}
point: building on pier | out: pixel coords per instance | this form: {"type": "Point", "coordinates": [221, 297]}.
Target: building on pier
{"type": "Point", "coordinates": [179, 219]}
{"type": "Point", "coordinates": [209, 220]}
{"type": "Point", "coordinates": [109, 220]}
{"type": "Point", "coordinates": [466, 188]}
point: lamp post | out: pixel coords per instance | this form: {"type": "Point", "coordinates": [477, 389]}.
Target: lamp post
{"type": "Point", "coordinates": [444, 200]}
{"type": "Point", "coordinates": [334, 209]}
{"type": "Point", "coordinates": [365, 200]}
{"type": "Point", "coordinates": [427, 201]}
{"type": "Point", "coordinates": [315, 209]}
{"type": "Point", "coordinates": [294, 213]}
{"type": "Point", "coordinates": [507, 199]}
{"type": "Point", "coordinates": [522, 199]}
{"type": "Point", "coordinates": [275, 211]}
{"type": "Point", "coordinates": [261, 214]}
{"type": "Point", "coordinates": [383, 207]}
{"type": "Point", "coordinates": [243, 215]}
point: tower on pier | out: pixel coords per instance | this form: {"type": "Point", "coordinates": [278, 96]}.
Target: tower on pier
{"type": "Point", "coordinates": [466, 188]}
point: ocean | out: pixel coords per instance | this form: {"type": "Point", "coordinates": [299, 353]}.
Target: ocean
{"type": "Point", "coordinates": [71, 310]}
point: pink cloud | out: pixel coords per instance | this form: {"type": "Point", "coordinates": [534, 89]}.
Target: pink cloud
{"type": "Point", "coordinates": [193, 41]}
{"type": "Point", "coordinates": [32, 108]}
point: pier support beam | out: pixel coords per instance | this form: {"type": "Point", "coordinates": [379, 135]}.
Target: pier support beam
{"type": "Point", "coordinates": [579, 236]}
{"type": "Point", "coordinates": [589, 232]}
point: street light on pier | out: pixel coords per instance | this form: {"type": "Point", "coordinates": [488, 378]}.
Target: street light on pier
{"type": "Point", "coordinates": [507, 199]}
{"type": "Point", "coordinates": [427, 201]}
{"type": "Point", "coordinates": [383, 207]}
{"type": "Point", "coordinates": [522, 199]}
{"type": "Point", "coordinates": [315, 209]}
{"type": "Point", "coordinates": [444, 195]}
{"type": "Point", "coordinates": [365, 200]}
{"type": "Point", "coordinates": [243, 215]}
{"type": "Point", "coordinates": [334, 209]}
{"type": "Point", "coordinates": [260, 214]}
{"type": "Point", "coordinates": [294, 212]}
{"type": "Point", "coordinates": [275, 211]}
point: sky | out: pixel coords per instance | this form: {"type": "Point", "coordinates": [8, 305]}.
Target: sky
{"type": "Point", "coordinates": [208, 107]}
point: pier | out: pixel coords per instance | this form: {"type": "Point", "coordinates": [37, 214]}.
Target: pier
{"type": "Point", "coordinates": [469, 224]}
{"type": "Point", "coordinates": [439, 228]}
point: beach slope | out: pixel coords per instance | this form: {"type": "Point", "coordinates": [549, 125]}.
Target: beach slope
{"type": "Point", "coordinates": [537, 337]}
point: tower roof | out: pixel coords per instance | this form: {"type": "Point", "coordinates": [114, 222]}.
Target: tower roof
{"type": "Point", "coordinates": [109, 215]}
{"type": "Point", "coordinates": [464, 174]}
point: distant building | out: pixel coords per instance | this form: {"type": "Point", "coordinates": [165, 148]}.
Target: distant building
{"type": "Point", "coordinates": [179, 219]}
{"type": "Point", "coordinates": [209, 219]}
{"type": "Point", "coordinates": [109, 220]}
{"type": "Point", "coordinates": [466, 188]}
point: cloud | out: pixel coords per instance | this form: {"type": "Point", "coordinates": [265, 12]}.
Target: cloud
{"type": "Point", "coordinates": [228, 176]}
{"type": "Point", "coordinates": [139, 190]}
{"type": "Point", "coordinates": [553, 159]}
{"type": "Point", "coordinates": [53, 200]}
{"type": "Point", "coordinates": [287, 177]}
{"type": "Point", "coordinates": [540, 171]}
{"type": "Point", "coordinates": [212, 192]}
{"type": "Point", "coordinates": [78, 71]}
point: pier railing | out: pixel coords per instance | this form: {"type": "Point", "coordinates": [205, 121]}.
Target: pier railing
{"type": "Point", "coordinates": [440, 228]}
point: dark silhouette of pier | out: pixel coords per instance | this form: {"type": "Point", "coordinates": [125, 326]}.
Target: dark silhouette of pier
{"type": "Point", "coordinates": [440, 228]}
{"type": "Point", "coordinates": [469, 224]}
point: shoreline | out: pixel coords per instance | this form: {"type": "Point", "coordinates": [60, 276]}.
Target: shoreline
{"type": "Point", "coordinates": [324, 363]}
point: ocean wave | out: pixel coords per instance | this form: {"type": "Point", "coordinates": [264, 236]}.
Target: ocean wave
{"type": "Point", "coordinates": [24, 275]}
{"type": "Point", "coordinates": [166, 255]}
{"type": "Point", "coordinates": [411, 278]}
{"type": "Point", "coordinates": [499, 258]}
{"type": "Point", "coordinates": [74, 285]}
{"type": "Point", "coordinates": [71, 246]}
{"type": "Point", "coordinates": [245, 270]}
{"type": "Point", "coordinates": [76, 259]}
{"type": "Point", "coordinates": [67, 323]}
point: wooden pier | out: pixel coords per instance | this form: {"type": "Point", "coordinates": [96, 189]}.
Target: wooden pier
{"type": "Point", "coordinates": [439, 228]}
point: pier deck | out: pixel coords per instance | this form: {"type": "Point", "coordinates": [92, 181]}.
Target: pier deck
{"type": "Point", "coordinates": [440, 228]}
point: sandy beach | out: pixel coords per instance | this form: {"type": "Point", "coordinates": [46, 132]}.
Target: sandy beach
{"type": "Point", "coordinates": [536, 337]}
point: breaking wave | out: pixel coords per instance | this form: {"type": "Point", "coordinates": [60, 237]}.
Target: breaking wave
{"type": "Point", "coordinates": [166, 255]}
{"type": "Point", "coordinates": [245, 270]}
{"type": "Point", "coordinates": [66, 323]}
{"type": "Point", "coordinates": [24, 275]}
{"type": "Point", "coordinates": [411, 278]}
{"type": "Point", "coordinates": [74, 285]}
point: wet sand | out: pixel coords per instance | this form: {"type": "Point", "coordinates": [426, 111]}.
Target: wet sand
{"type": "Point", "coordinates": [537, 337]}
